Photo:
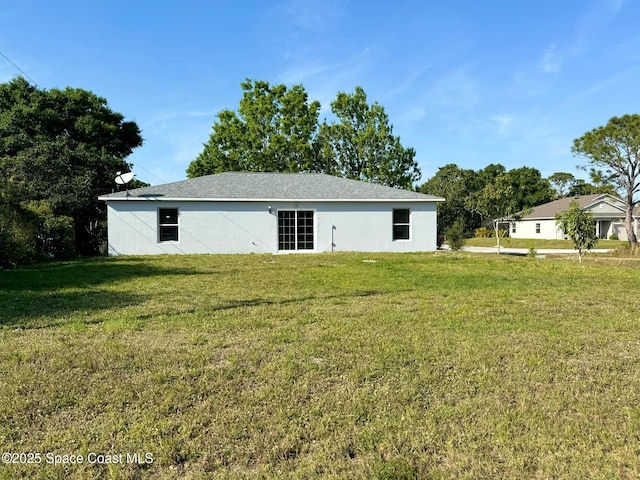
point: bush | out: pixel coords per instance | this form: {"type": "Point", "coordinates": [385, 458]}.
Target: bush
{"type": "Point", "coordinates": [455, 235]}
{"type": "Point", "coordinates": [55, 236]}
{"type": "Point", "coordinates": [483, 232]}
{"type": "Point", "coordinates": [17, 240]}
{"type": "Point", "coordinates": [30, 232]}
{"type": "Point", "coordinates": [614, 236]}
{"type": "Point", "coordinates": [624, 251]}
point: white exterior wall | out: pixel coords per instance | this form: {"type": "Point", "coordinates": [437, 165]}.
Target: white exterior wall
{"type": "Point", "coordinates": [527, 229]}
{"type": "Point", "coordinates": [608, 214]}
{"type": "Point", "coordinates": [550, 231]}
{"type": "Point", "coordinates": [248, 227]}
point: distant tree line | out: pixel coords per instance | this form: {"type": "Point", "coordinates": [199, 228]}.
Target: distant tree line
{"type": "Point", "coordinates": [473, 197]}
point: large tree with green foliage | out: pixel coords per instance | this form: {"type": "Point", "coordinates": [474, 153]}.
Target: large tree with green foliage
{"type": "Point", "coordinates": [615, 149]}
{"type": "Point", "coordinates": [455, 185]}
{"type": "Point", "coordinates": [580, 226]}
{"type": "Point", "coordinates": [61, 149]}
{"type": "Point", "coordinates": [272, 131]}
{"type": "Point", "coordinates": [276, 129]}
{"type": "Point", "coordinates": [361, 144]}
{"type": "Point", "coordinates": [529, 187]}
{"type": "Point", "coordinates": [561, 183]}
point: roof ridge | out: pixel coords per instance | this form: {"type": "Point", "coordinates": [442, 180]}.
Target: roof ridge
{"type": "Point", "coordinates": [255, 186]}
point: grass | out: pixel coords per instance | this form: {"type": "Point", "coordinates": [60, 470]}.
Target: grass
{"type": "Point", "coordinates": [324, 366]}
{"type": "Point", "coordinates": [538, 243]}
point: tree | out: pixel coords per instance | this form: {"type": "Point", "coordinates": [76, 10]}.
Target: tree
{"type": "Point", "coordinates": [497, 203]}
{"type": "Point", "coordinates": [580, 226]}
{"type": "Point", "coordinates": [63, 147]}
{"type": "Point", "coordinates": [581, 187]}
{"type": "Point", "coordinates": [615, 148]}
{"type": "Point", "coordinates": [272, 131]}
{"type": "Point", "coordinates": [276, 130]}
{"type": "Point", "coordinates": [462, 190]}
{"type": "Point", "coordinates": [487, 175]}
{"type": "Point", "coordinates": [602, 182]}
{"type": "Point", "coordinates": [455, 185]}
{"type": "Point", "coordinates": [529, 188]}
{"type": "Point", "coordinates": [561, 182]}
{"type": "Point", "coordinates": [361, 145]}
{"type": "Point", "coordinates": [454, 235]}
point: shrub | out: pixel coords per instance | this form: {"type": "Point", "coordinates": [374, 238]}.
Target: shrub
{"type": "Point", "coordinates": [483, 232]}
{"type": "Point", "coordinates": [455, 235]}
{"type": "Point", "coordinates": [624, 251]}
{"type": "Point", "coordinates": [54, 235]}
{"type": "Point", "coordinates": [30, 232]}
{"type": "Point", "coordinates": [614, 236]}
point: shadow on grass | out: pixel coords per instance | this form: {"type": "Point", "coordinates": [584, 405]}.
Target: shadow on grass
{"type": "Point", "coordinates": [41, 295]}
{"type": "Point", "coordinates": [81, 274]}
{"type": "Point", "coordinates": [256, 302]}
{"type": "Point", "coordinates": [261, 302]}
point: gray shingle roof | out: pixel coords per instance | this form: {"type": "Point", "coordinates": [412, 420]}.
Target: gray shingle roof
{"type": "Point", "coordinates": [270, 186]}
{"type": "Point", "coordinates": [549, 210]}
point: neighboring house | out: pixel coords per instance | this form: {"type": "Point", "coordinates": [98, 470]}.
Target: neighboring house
{"type": "Point", "coordinates": [237, 212]}
{"type": "Point", "coordinates": [607, 210]}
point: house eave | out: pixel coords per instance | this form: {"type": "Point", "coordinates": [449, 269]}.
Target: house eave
{"type": "Point", "coordinates": [107, 198]}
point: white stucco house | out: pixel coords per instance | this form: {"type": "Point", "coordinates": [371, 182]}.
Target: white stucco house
{"type": "Point", "coordinates": [607, 210]}
{"type": "Point", "coordinates": [239, 212]}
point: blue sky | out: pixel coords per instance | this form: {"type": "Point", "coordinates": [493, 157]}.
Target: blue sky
{"type": "Point", "coordinates": [463, 81]}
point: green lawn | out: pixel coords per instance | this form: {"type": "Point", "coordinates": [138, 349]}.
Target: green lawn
{"type": "Point", "coordinates": [385, 366]}
{"type": "Point", "coordinates": [538, 243]}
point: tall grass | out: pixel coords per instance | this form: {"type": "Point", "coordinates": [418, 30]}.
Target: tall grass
{"type": "Point", "coordinates": [324, 366]}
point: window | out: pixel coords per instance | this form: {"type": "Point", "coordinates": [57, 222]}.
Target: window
{"type": "Point", "coordinates": [168, 224]}
{"type": "Point", "coordinates": [513, 227]}
{"type": "Point", "coordinates": [295, 230]}
{"type": "Point", "coordinates": [537, 228]}
{"type": "Point", "coordinates": [401, 224]}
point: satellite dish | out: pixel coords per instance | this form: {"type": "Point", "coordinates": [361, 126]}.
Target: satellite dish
{"type": "Point", "coordinates": [123, 178]}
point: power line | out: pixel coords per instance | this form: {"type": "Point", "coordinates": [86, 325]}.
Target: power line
{"type": "Point", "coordinates": [137, 165]}
{"type": "Point", "coordinates": [20, 70]}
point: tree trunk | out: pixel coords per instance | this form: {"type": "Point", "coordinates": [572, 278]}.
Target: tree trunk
{"type": "Point", "coordinates": [495, 227]}
{"type": "Point", "coordinates": [628, 223]}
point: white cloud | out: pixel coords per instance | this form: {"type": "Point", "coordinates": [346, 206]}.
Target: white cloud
{"type": "Point", "coordinates": [503, 123]}
{"type": "Point", "coordinates": [164, 117]}
{"type": "Point", "coordinates": [323, 81]}
{"type": "Point", "coordinates": [604, 85]}
{"type": "Point", "coordinates": [311, 14]}
{"type": "Point", "coordinates": [551, 60]}
{"type": "Point", "coordinates": [408, 82]}
{"type": "Point", "coordinates": [302, 73]}
{"type": "Point", "coordinates": [617, 5]}
{"type": "Point", "coordinates": [455, 89]}
{"type": "Point", "coordinates": [595, 19]}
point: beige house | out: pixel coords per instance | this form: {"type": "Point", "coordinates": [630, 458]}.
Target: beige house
{"type": "Point", "coordinates": [607, 210]}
